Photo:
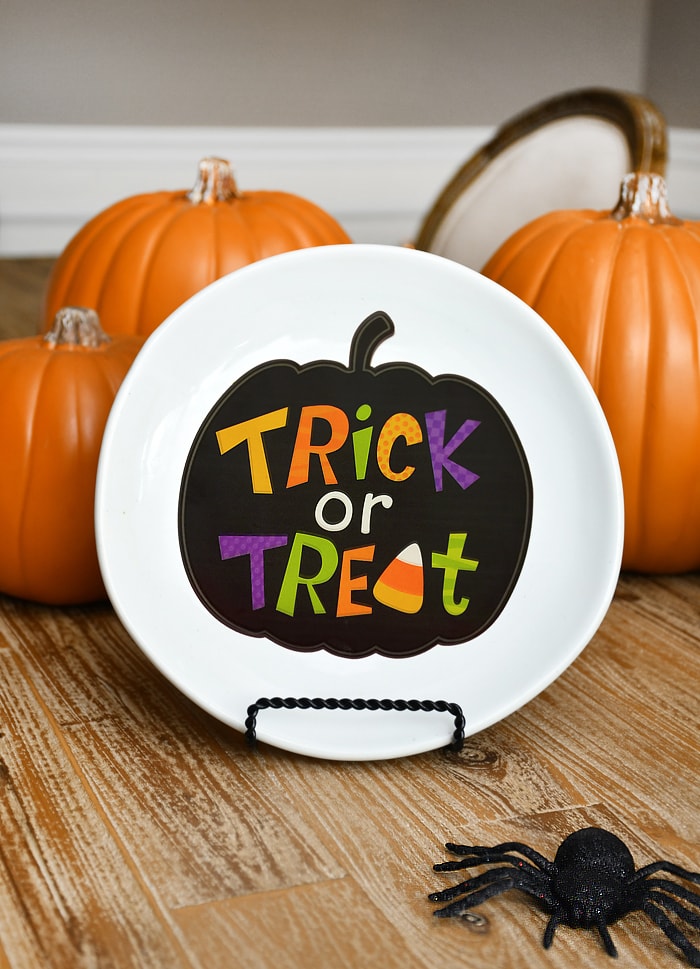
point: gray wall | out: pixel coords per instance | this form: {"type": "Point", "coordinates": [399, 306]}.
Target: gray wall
{"type": "Point", "coordinates": [332, 63]}
{"type": "Point", "coordinates": [673, 61]}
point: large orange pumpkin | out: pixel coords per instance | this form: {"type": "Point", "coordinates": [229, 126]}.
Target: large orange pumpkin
{"type": "Point", "coordinates": [55, 394]}
{"type": "Point", "coordinates": [139, 259]}
{"type": "Point", "coordinates": [622, 289]}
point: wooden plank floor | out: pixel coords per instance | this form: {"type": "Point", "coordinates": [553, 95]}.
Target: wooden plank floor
{"type": "Point", "coordinates": [135, 830]}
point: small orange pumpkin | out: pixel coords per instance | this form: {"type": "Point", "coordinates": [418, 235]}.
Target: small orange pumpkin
{"type": "Point", "coordinates": [56, 392]}
{"type": "Point", "coordinates": [622, 289]}
{"type": "Point", "coordinates": [139, 259]}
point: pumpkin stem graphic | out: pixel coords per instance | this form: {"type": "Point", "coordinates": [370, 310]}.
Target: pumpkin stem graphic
{"type": "Point", "coordinates": [369, 334]}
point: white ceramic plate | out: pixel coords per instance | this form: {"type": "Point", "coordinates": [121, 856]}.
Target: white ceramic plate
{"type": "Point", "coordinates": [304, 308]}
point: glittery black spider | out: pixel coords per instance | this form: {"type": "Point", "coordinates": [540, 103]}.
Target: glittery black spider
{"type": "Point", "coordinates": [591, 883]}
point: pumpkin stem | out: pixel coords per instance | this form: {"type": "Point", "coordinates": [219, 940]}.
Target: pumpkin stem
{"type": "Point", "coordinates": [643, 195]}
{"type": "Point", "coordinates": [76, 326]}
{"type": "Point", "coordinates": [215, 182]}
{"type": "Point", "coordinates": [369, 334]}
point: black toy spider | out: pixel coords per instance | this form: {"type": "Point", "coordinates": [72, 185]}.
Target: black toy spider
{"type": "Point", "coordinates": [591, 883]}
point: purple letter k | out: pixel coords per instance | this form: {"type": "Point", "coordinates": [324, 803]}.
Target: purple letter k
{"type": "Point", "coordinates": [440, 452]}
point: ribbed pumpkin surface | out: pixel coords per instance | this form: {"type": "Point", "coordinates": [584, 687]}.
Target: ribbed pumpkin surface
{"type": "Point", "coordinates": [55, 398]}
{"type": "Point", "coordinates": [622, 290]}
{"type": "Point", "coordinates": [139, 259]}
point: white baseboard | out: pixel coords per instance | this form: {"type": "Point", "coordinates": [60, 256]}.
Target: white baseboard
{"type": "Point", "coordinates": [378, 182]}
{"type": "Point", "coordinates": [683, 175]}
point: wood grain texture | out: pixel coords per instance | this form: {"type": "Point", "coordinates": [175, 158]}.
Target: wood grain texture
{"type": "Point", "coordinates": [187, 814]}
{"type": "Point", "coordinates": [22, 287]}
{"type": "Point", "coordinates": [137, 831]}
{"type": "Point", "coordinates": [327, 924]}
{"type": "Point", "coordinates": [70, 895]}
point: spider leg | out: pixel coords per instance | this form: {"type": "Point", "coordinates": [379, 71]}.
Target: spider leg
{"type": "Point", "coordinates": [659, 917]}
{"type": "Point", "coordinates": [463, 905]}
{"type": "Point", "coordinates": [548, 937]}
{"type": "Point", "coordinates": [506, 848]}
{"type": "Point", "coordinates": [495, 882]}
{"type": "Point", "coordinates": [555, 921]}
{"type": "Point", "coordinates": [489, 889]}
{"type": "Point", "coordinates": [607, 941]}
{"type": "Point", "coordinates": [472, 860]}
{"type": "Point", "coordinates": [669, 868]}
{"type": "Point", "coordinates": [472, 884]}
{"type": "Point", "coordinates": [675, 890]}
{"type": "Point", "coordinates": [666, 901]}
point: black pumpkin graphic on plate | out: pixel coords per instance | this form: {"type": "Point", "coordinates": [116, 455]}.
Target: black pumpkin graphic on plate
{"type": "Point", "coordinates": [355, 509]}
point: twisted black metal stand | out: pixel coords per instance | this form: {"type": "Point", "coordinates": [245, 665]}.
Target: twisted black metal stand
{"type": "Point", "coordinates": [330, 703]}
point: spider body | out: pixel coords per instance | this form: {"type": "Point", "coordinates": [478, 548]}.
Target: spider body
{"type": "Point", "coordinates": [588, 876]}
{"type": "Point", "coordinates": [591, 883]}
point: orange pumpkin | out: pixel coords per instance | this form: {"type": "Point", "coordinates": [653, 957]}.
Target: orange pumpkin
{"type": "Point", "coordinates": [55, 394]}
{"type": "Point", "coordinates": [622, 289]}
{"type": "Point", "coordinates": [139, 259]}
